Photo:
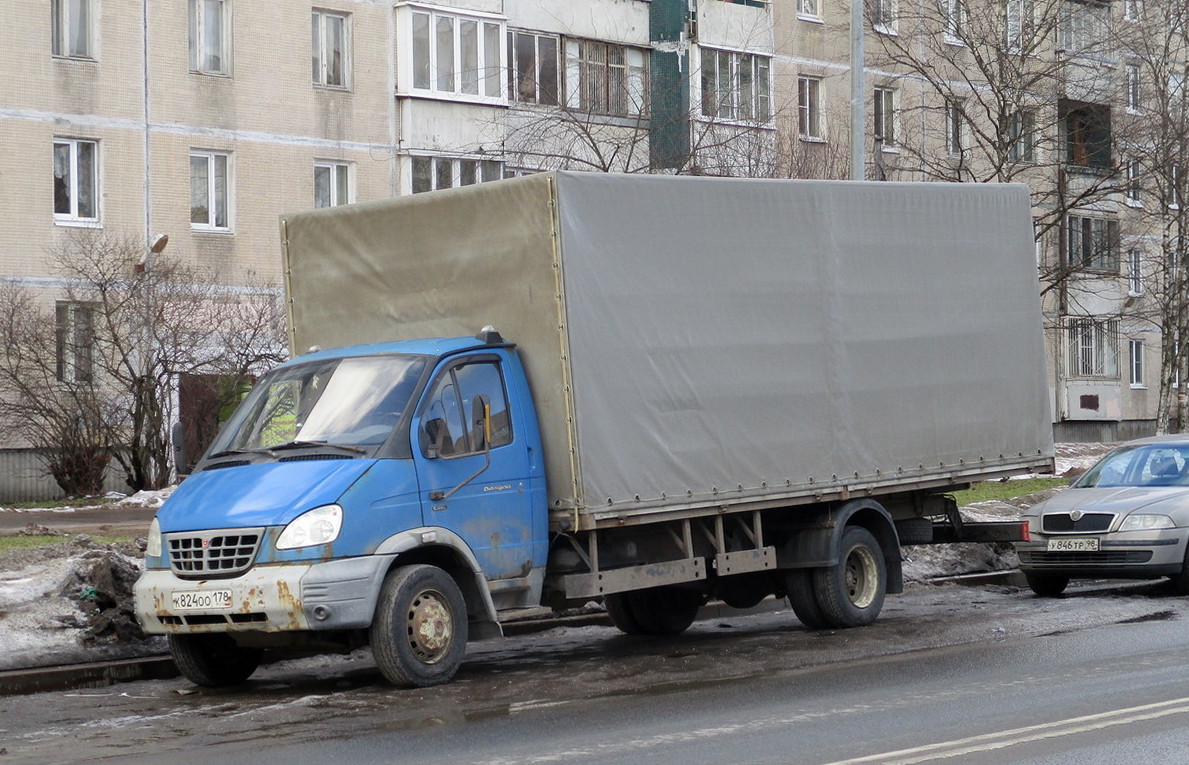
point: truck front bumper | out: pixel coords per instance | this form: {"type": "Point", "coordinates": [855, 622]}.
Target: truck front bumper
{"type": "Point", "coordinates": [336, 595]}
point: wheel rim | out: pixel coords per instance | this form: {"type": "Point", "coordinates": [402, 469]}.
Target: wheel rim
{"type": "Point", "coordinates": [431, 627]}
{"type": "Point", "coordinates": [861, 578]}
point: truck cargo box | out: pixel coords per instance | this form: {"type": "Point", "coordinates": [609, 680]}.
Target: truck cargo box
{"type": "Point", "coordinates": [698, 343]}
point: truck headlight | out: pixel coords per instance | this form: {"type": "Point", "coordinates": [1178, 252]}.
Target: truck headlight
{"type": "Point", "coordinates": [315, 527]}
{"type": "Point", "coordinates": [1142, 522]}
{"type": "Point", "coordinates": [153, 542]}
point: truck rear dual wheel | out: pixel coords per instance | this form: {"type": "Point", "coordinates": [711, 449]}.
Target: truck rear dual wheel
{"type": "Point", "coordinates": [419, 634]}
{"type": "Point", "coordinates": [656, 611]}
{"type": "Point", "coordinates": [213, 660]}
{"type": "Point", "coordinates": [851, 593]}
{"type": "Point", "coordinates": [803, 599]}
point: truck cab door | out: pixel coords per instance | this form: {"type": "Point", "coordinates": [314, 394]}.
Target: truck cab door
{"type": "Point", "coordinates": [473, 468]}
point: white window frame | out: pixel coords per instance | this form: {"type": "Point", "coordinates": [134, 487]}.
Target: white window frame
{"type": "Point", "coordinates": [218, 218]}
{"type": "Point", "coordinates": [440, 63]}
{"type": "Point", "coordinates": [204, 50]}
{"type": "Point", "coordinates": [1134, 182]}
{"type": "Point", "coordinates": [809, 108]}
{"type": "Point", "coordinates": [592, 71]}
{"type": "Point", "coordinates": [323, 48]}
{"type": "Point", "coordinates": [809, 10]}
{"type": "Point", "coordinates": [339, 190]}
{"type": "Point", "coordinates": [73, 28]}
{"type": "Point", "coordinates": [736, 86]}
{"type": "Point", "coordinates": [1018, 25]}
{"type": "Point", "coordinates": [1022, 133]}
{"type": "Point", "coordinates": [1174, 183]}
{"type": "Point", "coordinates": [885, 16]}
{"type": "Point", "coordinates": [886, 115]}
{"type": "Point", "coordinates": [452, 172]}
{"type": "Point", "coordinates": [955, 128]}
{"type": "Point", "coordinates": [1085, 24]}
{"type": "Point", "coordinates": [1135, 274]}
{"type": "Point", "coordinates": [1132, 10]}
{"type": "Point", "coordinates": [1131, 86]}
{"type": "Point", "coordinates": [74, 330]}
{"type": "Point", "coordinates": [1135, 352]}
{"type": "Point", "coordinates": [954, 21]}
{"type": "Point", "coordinates": [70, 179]}
{"type": "Point", "coordinates": [1093, 243]}
{"type": "Point", "coordinates": [1093, 347]}
{"type": "Point", "coordinates": [535, 81]}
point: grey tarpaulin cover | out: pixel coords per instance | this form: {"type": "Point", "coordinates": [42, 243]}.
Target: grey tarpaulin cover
{"type": "Point", "coordinates": [690, 340]}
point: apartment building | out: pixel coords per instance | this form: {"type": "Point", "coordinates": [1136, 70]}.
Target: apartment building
{"type": "Point", "coordinates": [206, 119]}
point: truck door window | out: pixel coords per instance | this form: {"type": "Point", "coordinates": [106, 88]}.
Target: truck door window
{"type": "Point", "coordinates": [452, 423]}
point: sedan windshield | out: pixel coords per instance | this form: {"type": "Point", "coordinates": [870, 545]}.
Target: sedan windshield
{"type": "Point", "coordinates": [344, 402]}
{"type": "Point", "coordinates": [1141, 465]}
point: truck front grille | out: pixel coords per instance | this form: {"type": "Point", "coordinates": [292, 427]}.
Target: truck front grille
{"type": "Point", "coordinates": [1063, 523]}
{"type": "Point", "coordinates": [213, 554]}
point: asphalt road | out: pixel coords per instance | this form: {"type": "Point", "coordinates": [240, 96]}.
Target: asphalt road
{"type": "Point", "coordinates": [962, 675]}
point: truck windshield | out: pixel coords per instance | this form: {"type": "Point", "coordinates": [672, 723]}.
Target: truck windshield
{"type": "Point", "coordinates": [347, 402]}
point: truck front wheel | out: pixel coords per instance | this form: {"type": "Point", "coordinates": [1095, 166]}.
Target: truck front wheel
{"type": "Point", "coordinates": [851, 593]}
{"type": "Point", "coordinates": [419, 634]}
{"type": "Point", "coordinates": [656, 611]}
{"type": "Point", "coordinates": [213, 660]}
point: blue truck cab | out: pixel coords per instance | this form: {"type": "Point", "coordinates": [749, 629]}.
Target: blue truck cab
{"type": "Point", "coordinates": [390, 494]}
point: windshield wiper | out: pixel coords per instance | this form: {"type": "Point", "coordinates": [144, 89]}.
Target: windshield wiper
{"type": "Point", "coordinates": [229, 453]}
{"type": "Point", "coordinates": [319, 444]}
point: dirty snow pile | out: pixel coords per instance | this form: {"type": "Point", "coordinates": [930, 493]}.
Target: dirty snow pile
{"type": "Point", "coordinates": [71, 602]}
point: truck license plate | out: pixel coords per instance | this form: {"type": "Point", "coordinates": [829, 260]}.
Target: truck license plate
{"type": "Point", "coordinates": [1074, 545]}
{"type": "Point", "coordinates": [193, 600]}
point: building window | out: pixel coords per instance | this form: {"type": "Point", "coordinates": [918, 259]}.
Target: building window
{"type": "Point", "coordinates": [1132, 10]}
{"type": "Point", "coordinates": [1019, 25]}
{"type": "Point", "coordinates": [735, 86]}
{"type": "Point", "coordinates": [332, 184]}
{"type": "Point", "coordinates": [72, 25]}
{"type": "Point", "coordinates": [210, 37]}
{"type": "Point", "coordinates": [1132, 87]}
{"type": "Point", "coordinates": [1134, 183]}
{"type": "Point", "coordinates": [1085, 24]}
{"type": "Point", "coordinates": [1021, 137]}
{"type": "Point", "coordinates": [532, 68]}
{"type": "Point", "coordinates": [330, 51]}
{"type": "Point", "coordinates": [955, 128]}
{"type": "Point", "coordinates": [884, 14]}
{"type": "Point", "coordinates": [75, 338]}
{"type": "Point", "coordinates": [76, 176]}
{"type": "Point", "coordinates": [433, 173]}
{"type": "Point", "coordinates": [1135, 276]}
{"type": "Point", "coordinates": [209, 190]}
{"type": "Point", "coordinates": [605, 78]}
{"type": "Point", "coordinates": [808, 8]}
{"type": "Point", "coordinates": [1136, 358]}
{"type": "Point", "coordinates": [955, 20]}
{"type": "Point", "coordinates": [809, 108]}
{"type": "Point", "coordinates": [1093, 244]}
{"type": "Point", "coordinates": [885, 117]}
{"type": "Point", "coordinates": [1093, 347]}
{"type": "Point", "coordinates": [1174, 186]}
{"type": "Point", "coordinates": [1087, 134]}
{"type": "Point", "coordinates": [456, 55]}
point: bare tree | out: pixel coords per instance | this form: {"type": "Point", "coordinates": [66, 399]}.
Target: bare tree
{"type": "Point", "coordinates": [123, 333]}
{"type": "Point", "coordinates": [1155, 153]}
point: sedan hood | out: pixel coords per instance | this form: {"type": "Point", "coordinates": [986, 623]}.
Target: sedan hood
{"type": "Point", "coordinates": [268, 494]}
{"type": "Point", "coordinates": [1121, 500]}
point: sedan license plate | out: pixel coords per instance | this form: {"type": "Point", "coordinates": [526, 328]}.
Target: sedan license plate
{"type": "Point", "coordinates": [195, 600]}
{"type": "Point", "coordinates": [1074, 545]}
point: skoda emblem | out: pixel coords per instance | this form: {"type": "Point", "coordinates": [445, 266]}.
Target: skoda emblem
{"type": "Point", "coordinates": [1075, 516]}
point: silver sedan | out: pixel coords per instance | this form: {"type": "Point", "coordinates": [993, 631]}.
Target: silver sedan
{"type": "Point", "coordinates": [1125, 518]}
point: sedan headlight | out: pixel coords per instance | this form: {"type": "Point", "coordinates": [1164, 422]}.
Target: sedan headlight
{"type": "Point", "coordinates": [153, 542]}
{"type": "Point", "coordinates": [316, 527]}
{"type": "Point", "coordinates": [1143, 522]}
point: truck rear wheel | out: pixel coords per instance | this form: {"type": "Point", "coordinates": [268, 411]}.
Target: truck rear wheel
{"type": "Point", "coordinates": [656, 611]}
{"type": "Point", "coordinates": [799, 583]}
{"type": "Point", "coordinates": [419, 634]}
{"type": "Point", "coordinates": [213, 660]}
{"type": "Point", "coordinates": [851, 593]}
